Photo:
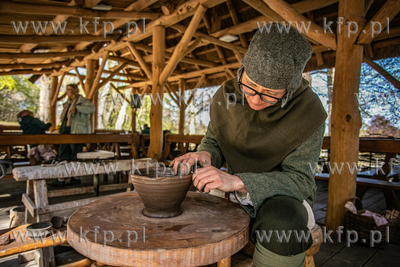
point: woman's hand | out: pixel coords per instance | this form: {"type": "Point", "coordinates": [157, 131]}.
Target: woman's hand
{"type": "Point", "coordinates": [190, 159]}
{"type": "Point", "coordinates": [73, 110]}
{"type": "Point", "coordinates": [212, 178]}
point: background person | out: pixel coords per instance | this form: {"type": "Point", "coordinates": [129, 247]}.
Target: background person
{"type": "Point", "coordinates": [31, 125]}
{"type": "Point", "coordinates": [75, 119]}
{"type": "Point", "coordinates": [267, 143]}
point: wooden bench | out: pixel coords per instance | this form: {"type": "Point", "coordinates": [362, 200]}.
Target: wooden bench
{"type": "Point", "coordinates": [390, 147]}
{"type": "Point", "coordinates": [183, 142]}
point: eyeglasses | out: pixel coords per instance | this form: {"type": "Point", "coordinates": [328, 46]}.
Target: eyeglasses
{"type": "Point", "coordinates": [264, 97]}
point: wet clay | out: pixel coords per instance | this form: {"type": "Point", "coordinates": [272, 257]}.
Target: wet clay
{"type": "Point", "coordinates": [161, 192]}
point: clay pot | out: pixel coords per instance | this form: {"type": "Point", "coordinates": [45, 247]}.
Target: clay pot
{"type": "Point", "coordinates": [161, 194]}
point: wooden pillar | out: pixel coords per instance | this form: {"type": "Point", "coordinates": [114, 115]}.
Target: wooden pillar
{"type": "Point", "coordinates": [182, 107]}
{"type": "Point", "coordinates": [90, 68]}
{"type": "Point", "coordinates": [346, 119]}
{"type": "Point", "coordinates": [96, 111]}
{"type": "Point", "coordinates": [53, 119]}
{"type": "Point", "coordinates": [134, 141]}
{"type": "Point", "coordinates": [155, 148]}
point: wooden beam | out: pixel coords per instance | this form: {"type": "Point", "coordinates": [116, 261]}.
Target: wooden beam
{"type": "Point", "coordinates": [80, 78]}
{"type": "Point", "coordinates": [182, 108]}
{"type": "Point", "coordinates": [181, 47]}
{"type": "Point", "coordinates": [98, 75]}
{"type": "Point", "coordinates": [315, 31]}
{"type": "Point", "coordinates": [21, 72]}
{"type": "Point", "coordinates": [135, 53]}
{"type": "Point", "coordinates": [37, 39]}
{"type": "Point", "coordinates": [191, 74]}
{"type": "Point", "coordinates": [40, 9]}
{"type": "Point", "coordinates": [211, 39]}
{"type": "Point", "coordinates": [171, 93]}
{"type": "Point", "coordinates": [224, 62]}
{"type": "Point", "coordinates": [115, 72]}
{"type": "Point", "coordinates": [52, 115]}
{"type": "Point", "coordinates": [90, 70]}
{"type": "Point", "coordinates": [236, 21]}
{"type": "Point", "coordinates": [42, 55]}
{"type": "Point", "coordinates": [387, 12]}
{"type": "Point", "coordinates": [250, 25]}
{"type": "Point", "coordinates": [192, 47]}
{"type": "Point", "coordinates": [156, 133]}
{"type": "Point", "coordinates": [199, 83]}
{"type": "Point", "coordinates": [54, 100]}
{"type": "Point", "coordinates": [346, 119]}
{"type": "Point", "coordinates": [32, 66]}
{"type": "Point", "coordinates": [320, 59]}
{"type": "Point", "coordinates": [368, 4]}
{"type": "Point", "coordinates": [121, 94]}
{"type": "Point", "coordinates": [136, 6]}
{"type": "Point", "coordinates": [188, 60]}
{"type": "Point", "coordinates": [383, 72]}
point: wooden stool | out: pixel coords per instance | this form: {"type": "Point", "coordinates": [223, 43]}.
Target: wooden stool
{"type": "Point", "coordinates": [316, 233]}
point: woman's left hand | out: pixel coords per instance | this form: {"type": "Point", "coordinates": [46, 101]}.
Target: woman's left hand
{"type": "Point", "coordinates": [73, 110]}
{"type": "Point", "coordinates": [212, 178]}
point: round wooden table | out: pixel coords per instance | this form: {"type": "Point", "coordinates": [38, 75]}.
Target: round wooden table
{"type": "Point", "coordinates": [114, 231]}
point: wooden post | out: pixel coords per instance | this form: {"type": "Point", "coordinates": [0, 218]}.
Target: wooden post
{"type": "Point", "coordinates": [90, 68]}
{"type": "Point", "coordinates": [133, 145]}
{"type": "Point", "coordinates": [182, 107]}
{"type": "Point", "coordinates": [155, 148]}
{"type": "Point", "coordinates": [346, 119]}
{"type": "Point", "coordinates": [53, 120]}
{"type": "Point", "coordinates": [96, 111]}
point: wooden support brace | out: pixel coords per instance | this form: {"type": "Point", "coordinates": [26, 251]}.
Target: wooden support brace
{"type": "Point", "coordinates": [181, 47]}
{"type": "Point", "coordinates": [98, 76]}
{"type": "Point", "coordinates": [54, 100]}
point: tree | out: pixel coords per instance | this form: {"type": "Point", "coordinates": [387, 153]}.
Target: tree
{"type": "Point", "coordinates": [16, 93]}
{"type": "Point", "coordinates": [380, 126]}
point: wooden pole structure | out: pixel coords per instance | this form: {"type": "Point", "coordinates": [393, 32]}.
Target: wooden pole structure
{"type": "Point", "coordinates": [156, 133]}
{"type": "Point", "coordinates": [90, 68]}
{"type": "Point", "coordinates": [53, 120]}
{"type": "Point", "coordinates": [133, 145]}
{"type": "Point", "coordinates": [182, 107]}
{"type": "Point", "coordinates": [346, 119]}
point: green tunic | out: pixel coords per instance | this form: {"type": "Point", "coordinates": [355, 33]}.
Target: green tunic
{"type": "Point", "coordinates": [270, 150]}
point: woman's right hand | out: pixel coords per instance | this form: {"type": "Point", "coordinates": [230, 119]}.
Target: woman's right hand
{"type": "Point", "coordinates": [190, 159]}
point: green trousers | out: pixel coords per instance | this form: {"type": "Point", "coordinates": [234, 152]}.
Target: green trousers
{"type": "Point", "coordinates": [280, 233]}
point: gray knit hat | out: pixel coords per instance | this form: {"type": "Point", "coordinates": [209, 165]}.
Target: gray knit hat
{"type": "Point", "coordinates": [276, 58]}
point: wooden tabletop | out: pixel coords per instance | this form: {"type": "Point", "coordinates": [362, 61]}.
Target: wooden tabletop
{"type": "Point", "coordinates": [209, 230]}
{"type": "Point", "coordinates": [23, 242]}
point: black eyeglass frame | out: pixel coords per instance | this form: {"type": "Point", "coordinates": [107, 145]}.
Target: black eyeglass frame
{"type": "Point", "coordinates": [257, 93]}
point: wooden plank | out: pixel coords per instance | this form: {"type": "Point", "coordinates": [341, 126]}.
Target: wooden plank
{"type": "Point", "coordinates": [355, 255]}
{"type": "Point", "coordinates": [366, 181]}
{"type": "Point", "coordinates": [371, 145]}
{"type": "Point", "coordinates": [48, 139]}
{"type": "Point", "coordinates": [86, 190]}
{"type": "Point", "coordinates": [386, 257]}
{"type": "Point", "coordinates": [346, 119]}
